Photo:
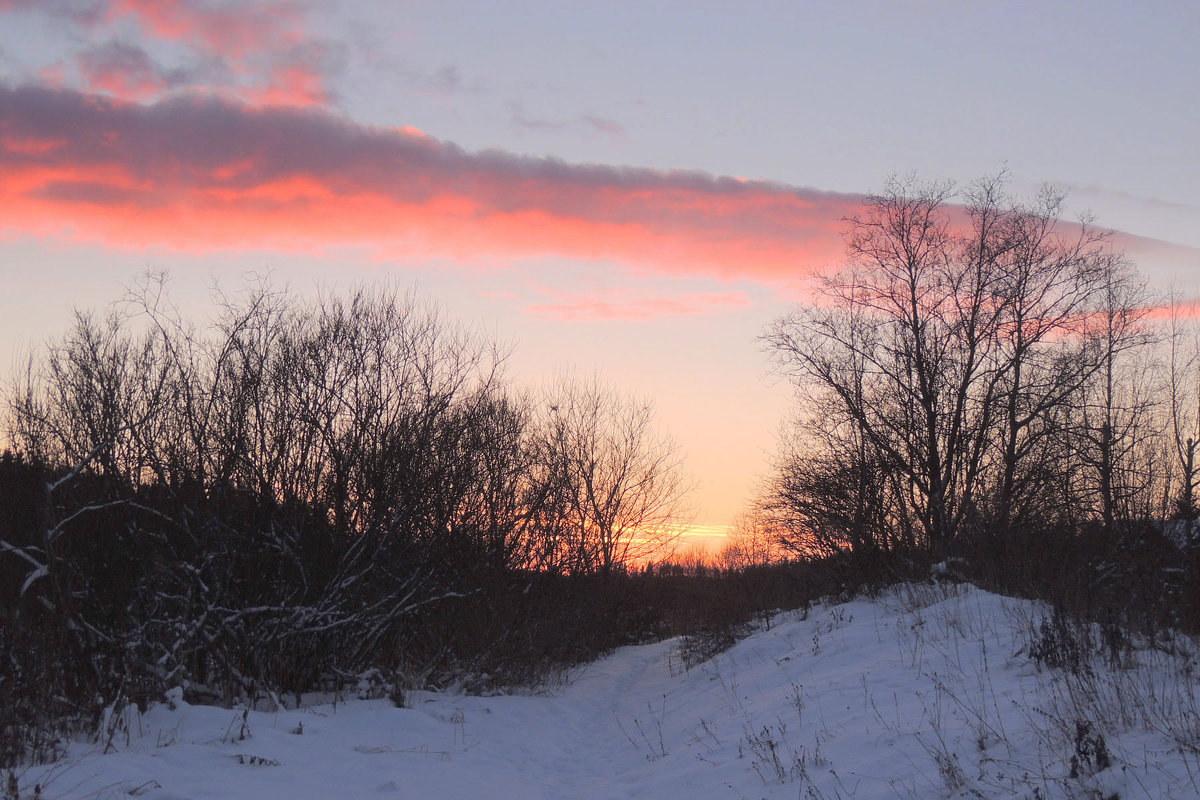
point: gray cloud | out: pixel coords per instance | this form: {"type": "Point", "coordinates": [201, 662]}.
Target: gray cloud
{"type": "Point", "coordinates": [588, 121]}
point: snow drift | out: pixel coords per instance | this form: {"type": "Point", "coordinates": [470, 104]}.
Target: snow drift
{"type": "Point", "coordinates": [925, 691]}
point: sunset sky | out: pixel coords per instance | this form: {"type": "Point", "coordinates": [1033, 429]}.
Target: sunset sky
{"type": "Point", "coordinates": [633, 189]}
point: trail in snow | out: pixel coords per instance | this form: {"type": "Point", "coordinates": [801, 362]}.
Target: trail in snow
{"type": "Point", "coordinates": [925, 692]}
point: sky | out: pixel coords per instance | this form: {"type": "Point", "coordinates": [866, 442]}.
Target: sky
{"type": "Point", "coordinates": [629, 189]}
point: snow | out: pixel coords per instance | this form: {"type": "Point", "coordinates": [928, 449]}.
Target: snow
{"type": "Point", "coordinates": [926, 691]}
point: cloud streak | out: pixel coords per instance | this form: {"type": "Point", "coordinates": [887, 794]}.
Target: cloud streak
{"type": "Point", "coordinates": [1179, 309]}
{"type": "Point", "coordinates": [590, 122]}
{"type": "Point", "coordinates": [203, 173]}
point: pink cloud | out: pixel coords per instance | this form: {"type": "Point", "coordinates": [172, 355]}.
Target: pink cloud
{"type": "Point", "coordinates": [236, 30]}
{"type": "Point", "coordinates": [202, 174]}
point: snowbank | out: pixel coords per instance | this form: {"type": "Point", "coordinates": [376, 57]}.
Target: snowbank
{"type": "Point", "coordinates": [924, 692]}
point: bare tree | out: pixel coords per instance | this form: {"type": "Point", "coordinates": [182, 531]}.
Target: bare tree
{"type": "Point", "coordinates": [903, 347]}
{"type": "Point", "coordinates": [829, 493]}
{"type": "Point", "coordinates": [620, 483]}
{"type": "Point", "coordinates": [1116, 402]}
{"type": "Point", "coordinates": [944, 362]}
{"type": "Point", "coordinates": [1050, 280]}
{"type": "Point", "coordinates": [1184, 377]}
{"type": "Point", "coordinates": [752, 542]}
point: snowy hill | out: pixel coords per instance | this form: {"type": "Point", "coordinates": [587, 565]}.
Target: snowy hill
{"type": "Point", "coordinates": [923, 692]}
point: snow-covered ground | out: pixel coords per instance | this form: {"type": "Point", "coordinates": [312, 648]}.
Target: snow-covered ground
{"type": "Point", "coordinates": [924, 692]}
